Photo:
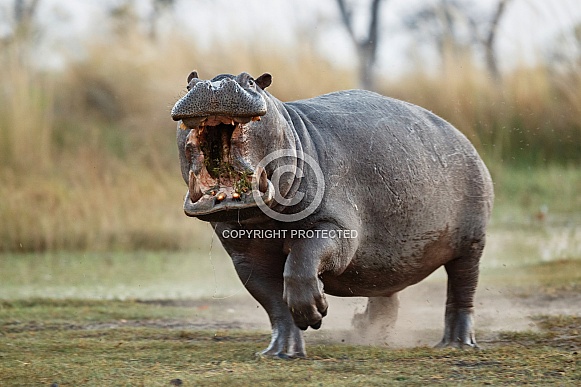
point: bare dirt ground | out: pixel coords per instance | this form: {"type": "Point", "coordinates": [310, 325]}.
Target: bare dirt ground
{"type": "Point", "coordinates": [420, 320]}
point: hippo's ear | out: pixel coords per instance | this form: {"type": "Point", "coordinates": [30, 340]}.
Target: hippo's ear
{"type": "Point", "coordinates": [264, 80]}
{"type": "Point", "coordinates": [193, 74]}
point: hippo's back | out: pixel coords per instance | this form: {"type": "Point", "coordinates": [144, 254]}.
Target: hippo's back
{"type": "Point", "coordinates": [394, 145]}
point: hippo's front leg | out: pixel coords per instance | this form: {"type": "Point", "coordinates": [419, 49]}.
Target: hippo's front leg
{"type": "Point", "coordinates": [303, 289]}
{"type": "Point", "coordinates": [264, 282]}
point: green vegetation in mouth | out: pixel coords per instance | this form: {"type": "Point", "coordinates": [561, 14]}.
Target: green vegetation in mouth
{"type": "Point", "coordinates": [226, 174]}
{"type": "Point", "coordinates": [244, 182]}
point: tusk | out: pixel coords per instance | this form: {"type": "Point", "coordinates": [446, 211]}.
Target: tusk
{"type": "Point", "coordinates": [194, 187]}
{"type": "Point", "coordinates": [221, 196]}
{"type": "Point", "coordinates": [263, 182]}
{"type": "Point", "coordinates": [256, 118]}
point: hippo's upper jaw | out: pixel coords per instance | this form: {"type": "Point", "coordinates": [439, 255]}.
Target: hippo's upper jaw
{"type": "Point", "coordinates": [216, 115]}
{"type": "Point", "coordinates": [224, 95]}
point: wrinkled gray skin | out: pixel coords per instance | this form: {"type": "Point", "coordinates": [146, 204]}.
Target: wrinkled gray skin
{"type": "Point", "coordinates": [410, 184]}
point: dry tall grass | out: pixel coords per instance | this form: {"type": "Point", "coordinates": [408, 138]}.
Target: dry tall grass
{"type": "Point", "coordinates": [88, 159]}
{"type": "Point", "coordinates": [26, 112]}
{"type": "Point", "coordinates": [532, 118]}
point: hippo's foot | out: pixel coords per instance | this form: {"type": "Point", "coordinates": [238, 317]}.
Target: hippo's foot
{"type": "Point", "coordinates": [459, 329]}
{"type": "Point", "coordinates": [375, 324]}
{"type": "Point", "coordinates": [287, 342]}
{"type": "Point", "coordinates": [306, 301]}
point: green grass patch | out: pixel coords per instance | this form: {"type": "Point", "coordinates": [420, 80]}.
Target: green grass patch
{"type": "Point", "coordinates": [536, 195]}
{"type": "Point", "coordinates": [35, 314]}
{"type": "Point", "coordinates": [549, 278]}
{"type": "Point", "coordinates": [103, 343]}
{"type": "Point", "coordinates": [203, 272]}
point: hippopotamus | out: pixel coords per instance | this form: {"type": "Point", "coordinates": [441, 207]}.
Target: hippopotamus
{"type": "Point", "coordinates": [350, 194]}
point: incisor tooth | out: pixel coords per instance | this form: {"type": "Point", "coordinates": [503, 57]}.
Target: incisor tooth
{"type": "Point", "coordinates": [221, 196]}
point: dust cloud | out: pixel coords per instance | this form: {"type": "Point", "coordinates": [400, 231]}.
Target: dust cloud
{"type": "Point", "coordinates": [421, 315]}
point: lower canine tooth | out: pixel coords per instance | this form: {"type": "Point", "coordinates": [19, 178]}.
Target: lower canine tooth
{"type": "Point", "coordinates": [263, 182]}
{"type": "Point", "coordinates": [195, 191]}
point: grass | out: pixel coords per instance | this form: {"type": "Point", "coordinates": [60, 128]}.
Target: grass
{"type": "Point", "coordinates": [531, 119]}
{"type": "Point", "coordinates": [116, 207]}
{"type": "Point", "coordinates": [204, 272]}
{"type": "Point", "coordinates": [548, 278]}
{"type": "Point", "coordinates": [76, 337]}
{"type": "Point", "coordinates": [102, 343]}
{"type": "Point", "coordinates": [106, 207]}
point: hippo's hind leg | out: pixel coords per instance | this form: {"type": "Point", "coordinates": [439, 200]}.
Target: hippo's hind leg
{"type": "Point", "coordinates": [376, 322]}
{"type": "Point", "coordinates": [265, 284]}
{"type": "Point", "coordinates": [462, 281]}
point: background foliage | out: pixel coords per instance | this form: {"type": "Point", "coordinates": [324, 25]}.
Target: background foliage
{"type": "Point", "coordinates": [87, 153]}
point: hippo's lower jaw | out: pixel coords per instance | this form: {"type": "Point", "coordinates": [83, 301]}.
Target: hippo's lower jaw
{"type": "Point", "coordinates": [220, 177]}
{"type": "Point", "coordinates": [210, 204]}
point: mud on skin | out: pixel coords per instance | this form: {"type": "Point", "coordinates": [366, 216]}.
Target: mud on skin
{"type": "Point", "coordinates": [411, 186]}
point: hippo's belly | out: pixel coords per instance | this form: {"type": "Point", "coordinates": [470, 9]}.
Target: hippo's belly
{"type": "Point", "coordinates": [382, 269]}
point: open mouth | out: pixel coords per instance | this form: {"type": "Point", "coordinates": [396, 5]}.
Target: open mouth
{"type": "Point", "coordinates": [220, 176]}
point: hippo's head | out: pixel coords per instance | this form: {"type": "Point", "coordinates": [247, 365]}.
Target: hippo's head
{"type": "Point", "coordinates": [220, 144]}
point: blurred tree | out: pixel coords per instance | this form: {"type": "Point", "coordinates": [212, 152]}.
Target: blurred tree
{"type": "Point", "coordinates": [490, 40]}
{"type": "Point", "coordinates": [457, 27]}
{"type": "Point", "coordinates": [565, 54]}
{"type": "Point", "coordinates": [124, 17]}
{"type": "Point", "coordinates": [159, 8]}
{"type": "Point", "coordinates": [23, 16]}
{"type": "Point", "coordinates": [19, 20]}
{"type": "Point", "coordinates": [440, 23]}
{"type": "Point", "coordinates": [366, 47]}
